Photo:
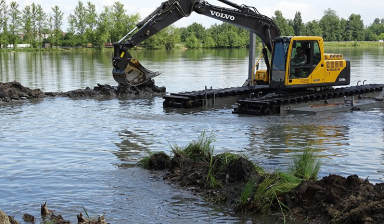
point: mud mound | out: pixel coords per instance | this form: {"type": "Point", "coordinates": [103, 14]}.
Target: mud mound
{"type": "Point", "coordinates": [15, 91]}
{"type": "Point", "coordinates": [216, 181]}
{"type": "Point", "coordinates": [147, 89]}
{"type": "Point", "coordinates": [335, 199]}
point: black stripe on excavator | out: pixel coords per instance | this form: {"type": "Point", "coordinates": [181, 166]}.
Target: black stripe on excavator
{"type": "Point", "coordinates": [344, 77]}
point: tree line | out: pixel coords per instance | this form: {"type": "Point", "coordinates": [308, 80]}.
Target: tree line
{"type": "Point", "coordinates": [32, 25]}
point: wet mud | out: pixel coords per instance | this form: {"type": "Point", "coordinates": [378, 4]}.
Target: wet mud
{"type": "Point", "coordinates": [332, 199]}
{"type": "Point", "coordinates": [336, 199]}
{"type": "Point", "coordinates": [13, 91]}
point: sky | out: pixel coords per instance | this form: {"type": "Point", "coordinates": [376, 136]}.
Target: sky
{"type": "Point", "coordinates": [310, 10]}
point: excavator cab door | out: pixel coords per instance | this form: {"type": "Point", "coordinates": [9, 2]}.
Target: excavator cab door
{"type": "Point", "coordinates": [279, 61]}
{"type": "Point", "coordinates": [304, 57]}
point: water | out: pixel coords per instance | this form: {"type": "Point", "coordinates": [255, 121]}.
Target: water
{"type": "Point", "coordinates": [75, 153]}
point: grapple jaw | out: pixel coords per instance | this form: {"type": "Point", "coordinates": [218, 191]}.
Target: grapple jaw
{"type": "Point", "coordinates": [128, 71]}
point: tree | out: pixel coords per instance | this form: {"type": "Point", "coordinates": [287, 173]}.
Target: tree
{"type": "Point", "coordinates": [171, 37]}
{"type": "Point", "coordinates": [78, 18]}
{"type": "Point", "coordinates": [282, 23]}
{"type": "Point", "coordinates": [346, 35]}
{"type": "Point", "coordinates": [27, 28]}
{"type": "Point", "coordinates": [192, 42]}
{"type": "Point", "coordinates": [57, 21]}
{"type": "Point", "coordinates": [3, 22]}
{"type": "Point", "coordinates": [119, 27]}
{"type": "Point", "coordinates": [104, 27]}
{"type": "Point", "coordinates": [90, 21]}
{"type": "Point", "coordinates": [209, 42]}
{"type": "Point", "coordinates": [40, 23]}
{"type": "Point", "coordinates": [330, 24]}
{"type": "Point", "coordinates": [197, 29]}
{"type": "Point", "coordinates": [15, 23]}
{"type": "Point", "coordinates": [298, 25]}
{"type": "Point", "coordinates": [313, 29]}
{"type": "Point", "coordinates": [356, 27]}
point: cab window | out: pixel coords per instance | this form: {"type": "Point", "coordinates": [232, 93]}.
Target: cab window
{"type": "Point", "coordinates": [300, 60]}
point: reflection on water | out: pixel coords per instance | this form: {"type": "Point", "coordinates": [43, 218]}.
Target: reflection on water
{"type": "Point", "coordinates": [83, 152]}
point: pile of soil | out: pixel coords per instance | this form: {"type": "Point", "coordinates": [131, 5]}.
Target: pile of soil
{"type": "Point", "coordinates": [194, 175]}
{"type": "Point", "coordinates": [336, 199]}
{"type": "Point", "coordinates": [15, 91]}
{"type": "Point", "coordinates": [333, 199]}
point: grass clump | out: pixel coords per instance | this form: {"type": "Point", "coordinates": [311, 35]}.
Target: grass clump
{"type": "Point", "coordinates": [306, 166]}
{"type": "Point", "coordinates": [198, 150]}
{"type": "Point", "coordinates": [265, 196]}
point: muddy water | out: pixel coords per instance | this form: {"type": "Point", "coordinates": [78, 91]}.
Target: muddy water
{"type": "Point", "coordinates": [75, 153]}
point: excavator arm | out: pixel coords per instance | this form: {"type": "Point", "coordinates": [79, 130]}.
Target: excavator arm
{"type": "Point", "coordinates": [128, 71]}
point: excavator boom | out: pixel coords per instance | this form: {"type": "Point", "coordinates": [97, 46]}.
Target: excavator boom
{"type": "Point", "coordinates": [128, 71]}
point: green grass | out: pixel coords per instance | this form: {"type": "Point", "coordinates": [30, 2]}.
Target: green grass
{"type": "Point", "coordinates": [306, 165]}
{"type": "Point", "coordinates": [198, 150]}
{"type": "Point", "coordinates": [266, 194]}
{"type": "Point", "coordinates": [246, 193]}
{"type": "Point", "coordinates": [352, 43]}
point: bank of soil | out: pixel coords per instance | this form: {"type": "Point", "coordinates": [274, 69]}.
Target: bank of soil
{"type": "Point", "coordinates": [332, 199]}
{"type": "Point", "coordinates": [13, 91]}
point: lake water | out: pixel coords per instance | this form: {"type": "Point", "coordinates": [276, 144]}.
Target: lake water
{"type": "Point", "coordinates": [75, 153]}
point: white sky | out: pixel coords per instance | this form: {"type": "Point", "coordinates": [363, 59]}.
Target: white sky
{"type": "Point", "coordinates": [310, 10]}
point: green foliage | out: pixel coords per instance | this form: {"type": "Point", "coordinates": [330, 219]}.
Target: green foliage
{"type": "Point", "coordinates": [247, 191]}
{"type": "Point", "coordinates": [305, 165]}
{"type": "Point", "coordinates": [298, 25]}
{"type": "Point", "coordinates": [267, 193]}
{"type": "Point", "coordinates": [271, 188]}
{"type": "Point", "coordinates": [330, 24]}
{"type": "Point", "coordinates": [285, 28]}
{"type": "Point", "coordinates": [165, 39]}
{"type": "Point", "coordinates": [313, 29]}
{"type": "Point", "coordinates": [200, 149]}
{"type": "Point", "coordinates": [192, 42]}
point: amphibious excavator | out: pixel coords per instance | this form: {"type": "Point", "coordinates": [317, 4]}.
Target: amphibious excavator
{"type": "Point", "coordinates": [284, 71]}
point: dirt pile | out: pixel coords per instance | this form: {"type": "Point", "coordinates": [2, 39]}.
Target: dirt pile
{"type": "Point", "coordinates": [15, 91]}
{"type": "Point", "coordinates": [333, 199]}
{"type": "Point", "coordinates": [220, 180]}
{"type": "Point", "coordinates": [336, 199]}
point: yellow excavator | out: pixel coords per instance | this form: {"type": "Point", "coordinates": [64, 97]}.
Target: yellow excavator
{"type": "Point", "coordinates": [296, 62]}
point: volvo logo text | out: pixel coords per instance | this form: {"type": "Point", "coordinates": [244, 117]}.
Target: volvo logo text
{"type": "Point", "coordinates": [222, 15]}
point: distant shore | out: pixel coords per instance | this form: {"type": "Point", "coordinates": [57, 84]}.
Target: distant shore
{"type": "Point", "coordinates": [326, 44]}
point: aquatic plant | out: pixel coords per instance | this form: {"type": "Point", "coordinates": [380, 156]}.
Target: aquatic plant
{"type": "Point", "coordinates": [306, 165]}
{"type": "Point", "coordinates": [200, 149]}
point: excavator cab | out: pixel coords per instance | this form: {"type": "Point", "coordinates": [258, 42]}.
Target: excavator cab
{"type": "Point", "coordinates": [300, 62]}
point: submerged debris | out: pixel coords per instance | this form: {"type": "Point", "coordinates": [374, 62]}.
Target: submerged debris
{"type": "Point", "coordinates": [47, 216]}
{"type": "Point", "coordinates": [15, 91]}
